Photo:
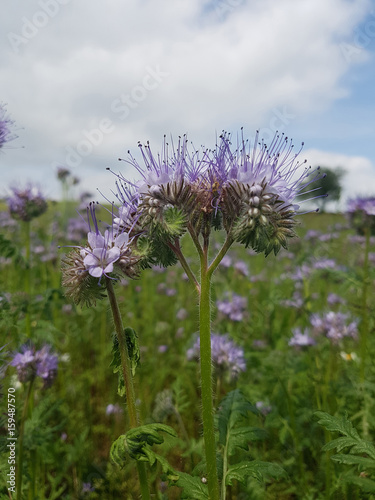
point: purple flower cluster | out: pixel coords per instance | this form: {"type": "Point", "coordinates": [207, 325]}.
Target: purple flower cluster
{"type": "Point", "coordinates": [253, 188]}
{"type": "Point", "coordinates": [31, 363]}
{"type": "Point", "coordinates": [300, 339]}
{"type": "Point", "coordinates": [6, 134]}
{"type": "Point", "coordinates": [109, 255]}
{"type": "Point", "coordinates": [26, 204]}
{"type": "Point", "coordinates": [233, 307]}
{"type": "Point", "coordinates": [361, 212]}
{"type": "Point", "coordinates": [227, 357]}
{"type": "Point", "coordinates": [335, 326]}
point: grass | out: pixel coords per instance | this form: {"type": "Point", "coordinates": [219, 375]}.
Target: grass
{"type": "Point", "coordinates": [68, 433]}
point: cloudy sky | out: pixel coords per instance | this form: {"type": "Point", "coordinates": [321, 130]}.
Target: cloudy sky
{"type": "Point", "coordinates": [85, 81]}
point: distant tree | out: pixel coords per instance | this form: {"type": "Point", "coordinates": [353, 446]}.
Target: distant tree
{"type": "Point", "coordinates": [330, 185]}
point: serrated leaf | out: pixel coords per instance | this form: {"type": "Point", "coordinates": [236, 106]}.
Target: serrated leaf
{"type": "Point", "coordinates": [365, 484]}
{"type": "Point", "coordinates": [351, 440]}
{"type": "Point", "coordinates": [366, 463]}
{"type": "Point", "coordinates": [136, 444]}
{"type": "Point", "coordinates": [134, 355]}
{"type": "Point", "coordinates": [257, 469]}
{"type": "Point", "coordinates": [193, 488]}
{"type": "Point", "coordinates": [240, 437]}
{"type": "Point", "coordinates": [233, 408]}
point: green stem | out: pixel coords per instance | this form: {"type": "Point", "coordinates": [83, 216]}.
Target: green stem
{"type": "Point", "coordinates": [206, 380]}
{"type": "Point", "coordinates": [177, 250]}
{"type": "Point", "coordinates": [196, 242]}
{"type": "Point", "coordinates": [227, 243]}
{"type": "Point", "coordinates": [28, 278]}
{"type": "Point", "coordinates": [20, 441]}
{"type": "Point", "coordinates": [128, 380]}
{"type": "Point", "coordinates": [364, 325]}
{"type": "Point", "coordinates": [364, 332]}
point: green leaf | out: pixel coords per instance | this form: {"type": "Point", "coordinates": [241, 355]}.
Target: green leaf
{"type": "Point", "coordinates": [135, 444]}
{"type": "Point", "coordinates": [242, 436]}
{"type": "Point", "coordinates": [134, 355]}
{"type": "Point", "coordinates": [351, 440]}
{"type": "Point", "coordinates": [366, 485]}
{"type": "Point", "coordinates": [233, 408]}
{"type": "Point", "coordinates": [10, 251]}
{"type": "Point", "coordinates": [363, 462]}
{"type": "Point", "coordinates": [257, 469]}
{"type": "Point", "coordinates": [193, 487]}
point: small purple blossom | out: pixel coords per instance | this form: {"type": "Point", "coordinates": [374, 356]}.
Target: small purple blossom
{"type": "Point", "coordinates": [31, 363]}
{"type": "Point", "coordinates": [87, 488]}
{"type": "Point", "coordinates": [6, 124]}
{"type": "Point", "coordinates": [263, 407]}
{"type": "Point", "coordinates": [182, 314]}
{"type": "Point", "coordinates": [162, 349]}
{"type": "Point", "coordinates": [334, 326]}
{"type": "Point", "coordinates": [113, 409]}
{"type": "Point", "coordinates": [296, 301]}
{"type": "Point", "coordinates": [300, 339]}
{"type": "Point", "coordinates": [234, 309]}
{"type": "Point", "coordinates": [226, 355]}
{"type": "Point", "coordinates": [26, 204]}
{"type": "Point", "coordinates": [226, 261]}
{"type": "Point", "coordinates": [332, 299]}
{"type": "Point", "coordinates": [361, 212]}
{"type": "Point", "coordinates": [242, 268]}
{"type": "Point", "coordinates": [362, 204]}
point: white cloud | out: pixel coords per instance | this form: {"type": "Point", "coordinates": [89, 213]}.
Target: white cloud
{"type": "Point", "coordinates": [359, 177]}
{"type": "Point", "coordinates": [224, 63]}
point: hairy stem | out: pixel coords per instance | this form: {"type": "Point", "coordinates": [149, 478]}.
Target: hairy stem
{"type": "Point", "coordinates": [28, 278]}
{"type": "Point", "coordinates": [206, 380]}
{"type": "Point", "coordinates": [227, 244]}
{"type": "Point", "coordinates": [128, 380]}
{"type": "Point", "coordinates": [177, 250]}
{"type": "Point", "coordinates": [20, 441]}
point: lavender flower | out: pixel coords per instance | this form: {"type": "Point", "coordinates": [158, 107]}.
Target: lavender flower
{"type": "Point", "coordinates": [226, 355]}
{"type": "Point", "coordinates": [263, 407]}
{"type": "Point", "coordinates": [108, 255]}
{"type": "Point", "coordinates": [300, 339]}
{"type": "Point", "coordinates": [334, 326]}
{"type": "Point", "coordinates": [87, 488]}
{"type": "Point", "coordinates": [241, 267]}
{"type": "Point", "coordinates": [262, 186]}
{"type": "Point", "coordinates": [113, 409]}
{"type": "Point", "coordinates": [26, 204]}
{"type": "Point", "coordinates": [31, 363]}
{"type": "Point", "coordinates": [6, 134]}
{"type": "Point", "coordinates": [234, 309]}
{"type": "Point", "coordinates": [250, 192]}
{"type": "Point", "coordinates": [361, 212]}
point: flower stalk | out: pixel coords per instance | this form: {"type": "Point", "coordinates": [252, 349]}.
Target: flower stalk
{"type": "Point", "coordinates": [20, 440]}
{"type": "Point", "coordinates": [128, 380]}
{"type": "Point", "coordinates": [206, 379]}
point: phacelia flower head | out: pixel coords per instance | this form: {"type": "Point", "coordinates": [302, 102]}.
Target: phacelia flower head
{"type": "Point", "coordinates": [31, 363]}
{"type": "Point", "coordinates": [361, 212]}
{"type": "Point", "coordinates": [233, 307]}
{"type": "Point", "coordinates": [227, 357]}
{"type": "Point", "coordinates": [105, 255]}
{"type": "Point", "coordinates": [6, 124]}
{"type": "Point", "coordinates": [258, 188]}
{"type": "Point", "coordinates": [26, 204]}
{"type": "Point", "coordinates": [250, 192]}
{"type": "Point", "coordinates": [335, 326]}
{"type": "Point", "coordinates": [300, 339]}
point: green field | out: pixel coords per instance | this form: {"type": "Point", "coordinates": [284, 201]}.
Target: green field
{"type": "Point", "coordinates": [67, 431]}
